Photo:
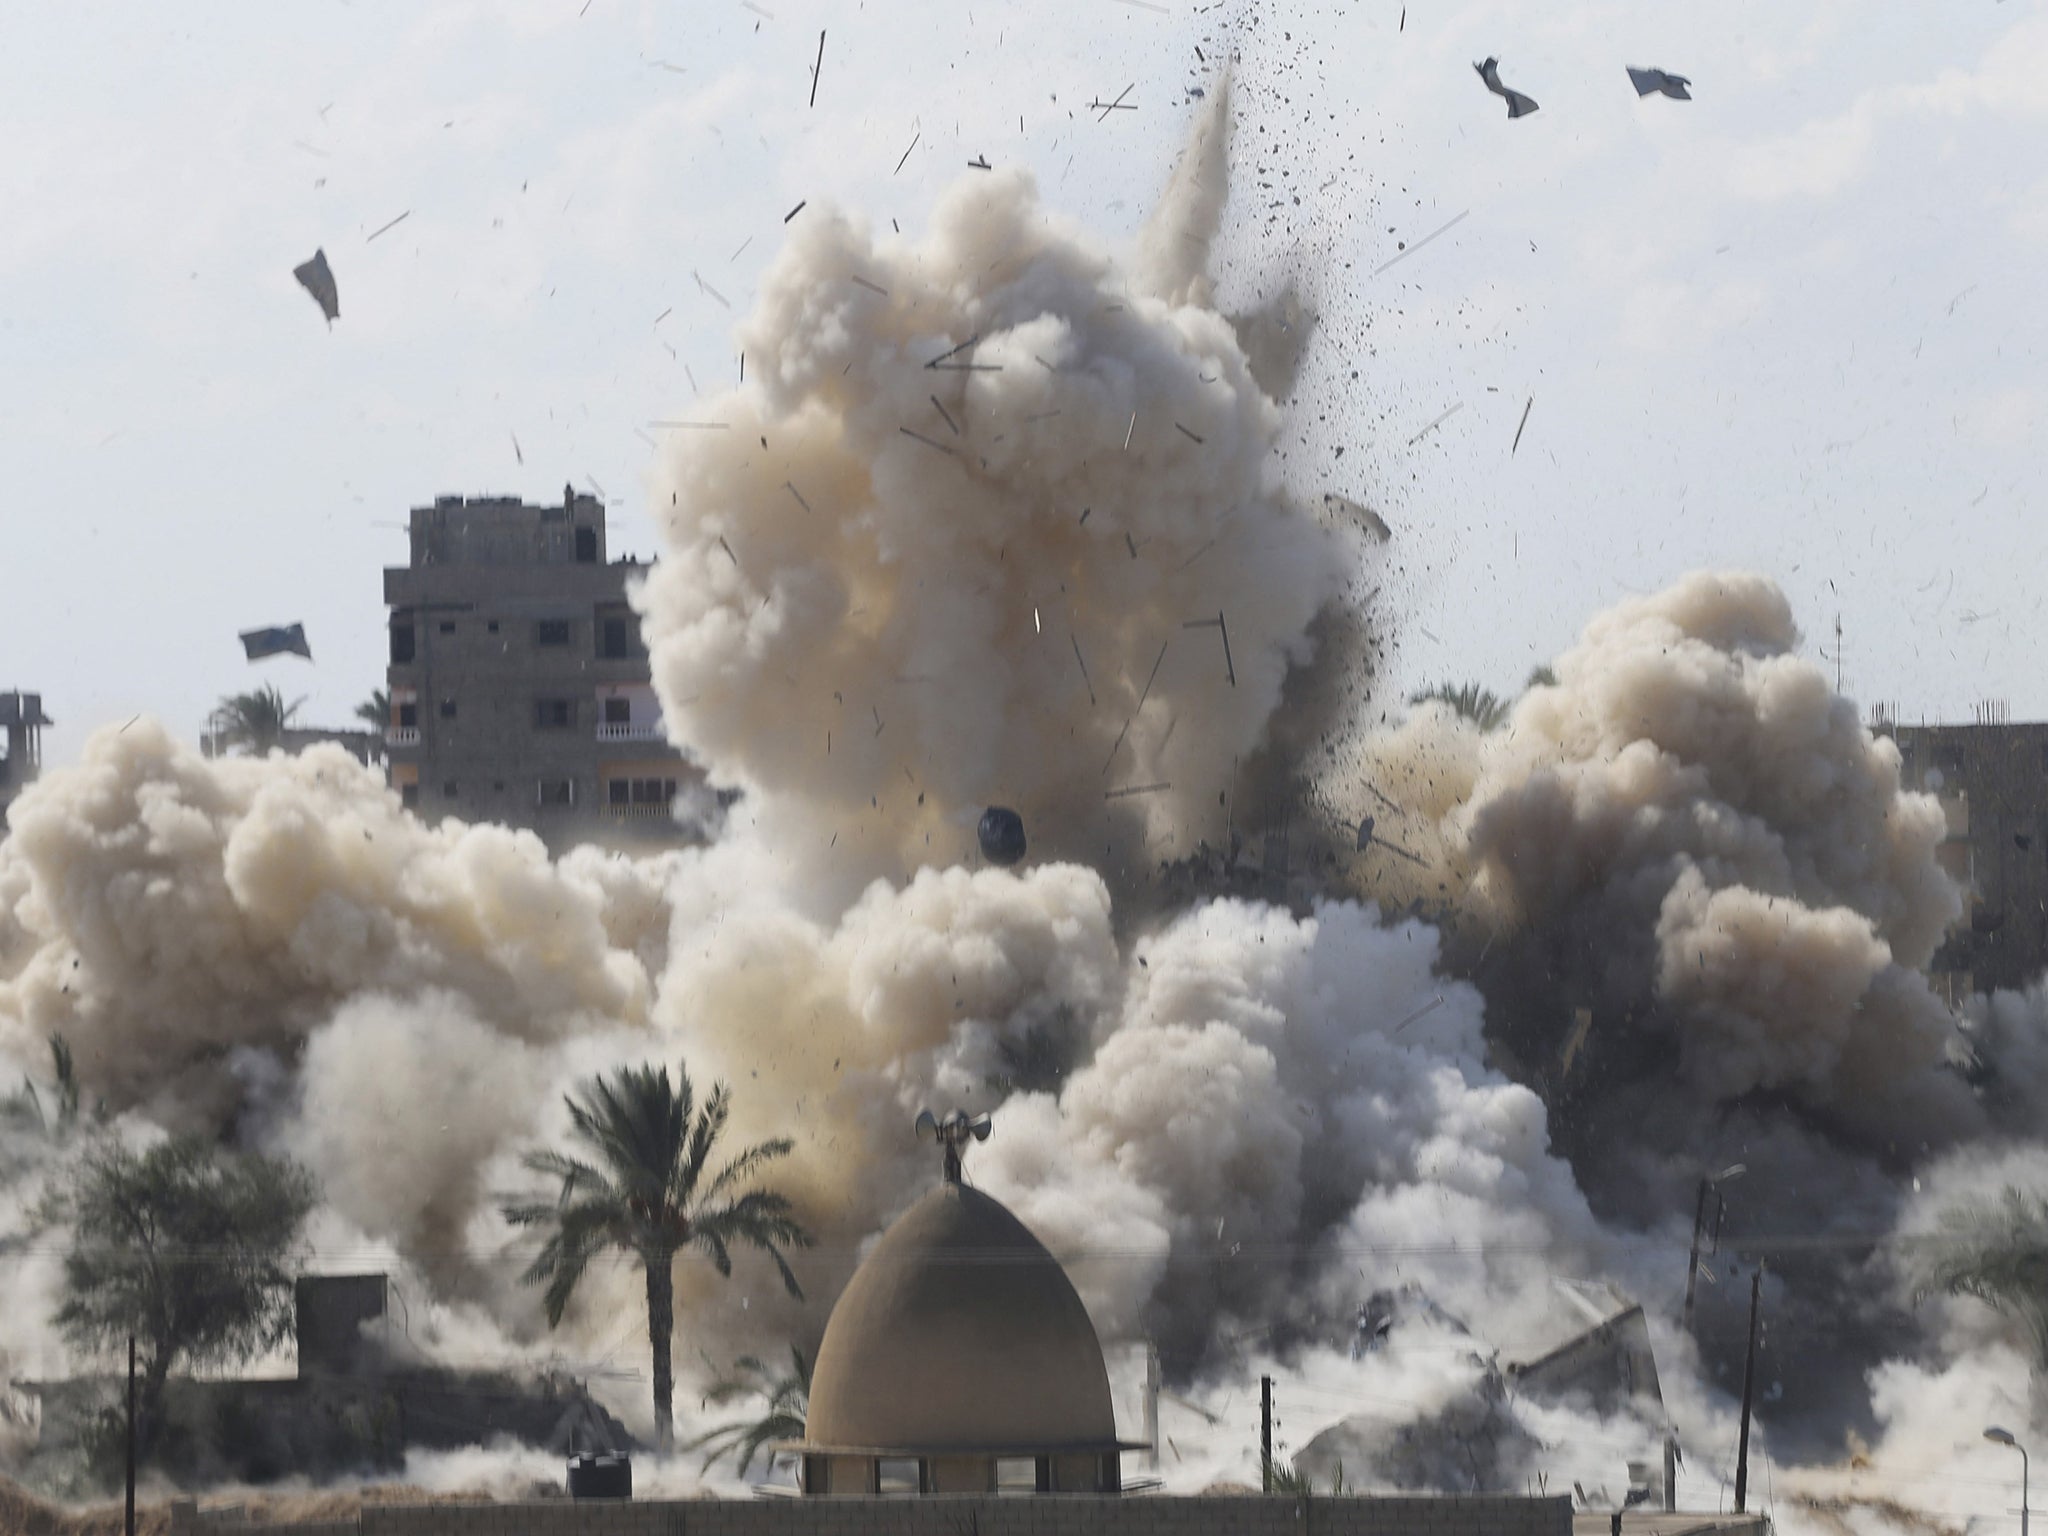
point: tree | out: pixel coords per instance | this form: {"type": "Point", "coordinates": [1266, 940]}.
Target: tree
{"type": "Point", "coordinates": [642, 1191]}
{"type": "Point", "coordinates": [255, 721]}
{"type": "Point", "coordinates": [23, 1109]}
{"type": "Point", "coordinates": [788, 1400]}
{"type": "Point", "coordinates": [1541, 676]}
{"type": "Point", "coordinates": [184, 1247]}
{"type": "Point", "coordinates": [1482, 706]}
{"type": "Point", "coordinates": [375, 711]}
{"type": "Point", "coordinates": [1996, 1251]}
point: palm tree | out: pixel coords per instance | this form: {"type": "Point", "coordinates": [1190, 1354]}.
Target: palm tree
{"type": "Point", "coordinates": [1996, 1252]}
{"type": "Point", "coordinates": [788, 1399]}
{"type": "Point", "coordinates": [1482, 706]}
{"type": "Point", "coordinates": [642, 1191]}
{"type": "Point", "coordinates": [1541, 676]}
{"type": "Point", "coordinates": [256, 721]}
{"type": "Point", "coordinates": [375, 711]}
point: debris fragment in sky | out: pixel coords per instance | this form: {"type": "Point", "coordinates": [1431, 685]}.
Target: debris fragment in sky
{"type": "Point", "coordinates": [1370, 520]}
{"type": "Point", "coordinates": [1518, 104]}
{"type": "Point", "coordinates": [1217, 623]}
{"type": "Point", "coordinates": [392, 225]}
{"type": "Point", "coordinates": [278, 640]}
{"type": "Point", "coordinates": [1519, 425]}
{"type": "Point", "coordinates": [1647, 80]}
{"type": "Point", "coordinates": [816, 70]}
{"type": "Point", "coordinates": [1002, 835]}
{"type": "Point", "coordinates": [1365, 834]}
{"type": "Point", "coordinates": [1407, 251]}
{"type": "Point", "coordinates": [317, 278]}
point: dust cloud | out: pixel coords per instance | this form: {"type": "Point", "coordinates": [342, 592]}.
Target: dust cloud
{"type": "Point", "coordinates": [944, 549]}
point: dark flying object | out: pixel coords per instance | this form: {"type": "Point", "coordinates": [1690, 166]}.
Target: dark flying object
{"type": "Point", "coordinates": [1002, 835]}
{"type": "Point", "coordinates": [317, 278]}
{"type": "Point", "coordinates": [1365, 834]}
{"type": "Point", "coordinates": [1647, 80]}
{"type": "Point", "coordinates": [286, 640]}
{"type": "Point", "coordinates": [1518, 104]}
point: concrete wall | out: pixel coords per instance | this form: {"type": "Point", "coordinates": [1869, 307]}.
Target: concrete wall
{"type": "Point", "coordinates": [940, 1515]}
{"type": "Point", "coordinates": [1993, 781]}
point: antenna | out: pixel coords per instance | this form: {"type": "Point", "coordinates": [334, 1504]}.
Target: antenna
{"type": "Point", "coordinates": [953, 1134]}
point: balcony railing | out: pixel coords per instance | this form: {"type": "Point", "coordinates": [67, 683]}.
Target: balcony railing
{"type": "Point", "coordinates": [401, 735]}
{"type": "Point", "coordinates": [629, 730]}
{"type": "Point", "coordinates": [647, 811]}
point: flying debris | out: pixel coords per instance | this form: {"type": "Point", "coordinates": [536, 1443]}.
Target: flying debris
{"type": "Point", "coordinates": [1002, 835]}
{"type": "Point", "coordinates": [1518, 104]}
{"type": "Point", "coordinates": [1370, 520]}
{"type": "Point", "coordinates": [282, 640]}
{"type": "Point", "coordinates": [1365, 834]}
{"type": "Point", "coordinates": [317, 278]}
{"type": "Point", "coordinates": [1647, 80]}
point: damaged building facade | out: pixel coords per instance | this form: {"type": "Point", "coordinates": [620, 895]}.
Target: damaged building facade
{"type": "Point", "coordinates": [520, 690]}
{"type": "Point", "coordinates": [21, 744]}
{"type": "Point", "coordinates": [1991, 777]}
{"type": "Point", "coordinates": [1477, 1439]}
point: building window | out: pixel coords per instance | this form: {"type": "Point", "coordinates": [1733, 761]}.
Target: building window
{"type": "Point", "coordinates": [551, 632]}
{"type": "Point", "coordinates": [618, 712]}
{"type": "Point", "coordinates": [409, 795]}
{"type": "Point", "coordinates": [401, 643]}
{"type": "Point", "coordinates": [408, 717]}
{"type": "Point", "coordinates": [447, 626]}
{"type": "Point", "coordinates": [1020, 1474]}
{"type": "Point", "coordinates": [448, 790]}
{"type": "Point", "coordinates": [447, 709]}
{"type": "Point", "coordinates": [554, 714]}
{"type": "Point", "coordinates": [899, 1476]}
{"type": "Point", "coordinates": [556, 791]}
{"type": "Point", "coordinates": [614, 644]}
{"type": "Point", "coordinates": [586, 546]}
{"type": "Point", "coordinates": [639, 791]}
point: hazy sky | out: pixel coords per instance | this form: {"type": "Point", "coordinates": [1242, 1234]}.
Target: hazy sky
{"type": "Point", "coordinates": [1796, 324]}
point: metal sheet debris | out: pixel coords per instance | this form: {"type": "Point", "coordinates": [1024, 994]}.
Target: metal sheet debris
{"type": "Point", "coordinates": [1647, 81]}
{"type": "Point", "coordinates": [278, 640]}
{"type": "Point", "coordinates": [1518, 104]}
{"type": "Point", "coordinates": [317, 278]}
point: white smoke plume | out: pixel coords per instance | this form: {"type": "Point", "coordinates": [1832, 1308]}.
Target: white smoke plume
{"type": "Point", "coordinates": [1708, 847]}
{"type": "Point", "coordinates": [942, 547]}
{"type": "Point", "coordinates": [894, 593]}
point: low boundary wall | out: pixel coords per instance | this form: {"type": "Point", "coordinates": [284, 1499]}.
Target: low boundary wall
{"type": "Point", "coordinates": [942, 1515]}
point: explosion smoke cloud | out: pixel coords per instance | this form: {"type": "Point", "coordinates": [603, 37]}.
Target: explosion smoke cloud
{"type": "Point", "coordinates": [1233, 1124]}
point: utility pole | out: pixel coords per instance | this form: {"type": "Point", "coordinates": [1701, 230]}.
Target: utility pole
{"type": "Point", "coordinates": [128, 1521]}
{"type": "Point", "coordinates": [1756, 1287]}
{"type": "Point", "coordinates": [1692, 1264]}
{"type": "Point", "coordinates": [1266, 1432]}
{"type": "Point", "coordinates": [1151, 1430]}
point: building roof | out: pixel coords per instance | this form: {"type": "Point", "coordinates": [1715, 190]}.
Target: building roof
{"type": "Point", "coordinates": [959, 1333]}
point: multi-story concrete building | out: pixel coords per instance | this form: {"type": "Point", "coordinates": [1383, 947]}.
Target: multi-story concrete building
{"type": "Point", "coordinates": [21, 734]}
{"type": "Point", "coordinates": [1992, 780]}
{"type": "Point", "coordinates": [520, 690]}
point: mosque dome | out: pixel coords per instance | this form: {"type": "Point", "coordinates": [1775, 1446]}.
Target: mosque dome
{"type": "Point", "coordinates": [959, 1333]}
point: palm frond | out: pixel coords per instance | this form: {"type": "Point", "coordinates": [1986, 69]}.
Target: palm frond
{"type": "Point", "coordinates": [746, 1163]}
